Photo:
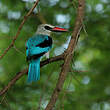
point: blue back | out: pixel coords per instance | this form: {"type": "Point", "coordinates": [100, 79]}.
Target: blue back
{"type": "Point", "coordinates": [34, 46]}
{"type": "Point", "coordinates": [35, 40]}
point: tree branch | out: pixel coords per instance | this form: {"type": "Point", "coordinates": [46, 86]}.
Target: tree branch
{"type": "Point", "coordinates": [19, 30]}
{"type": "Point", "coordinates": [68, 55]}
{"type": "Point", "coordinates": [23, 72]}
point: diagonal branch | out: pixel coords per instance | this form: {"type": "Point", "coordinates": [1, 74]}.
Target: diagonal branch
{"type": "Point", "coordinates": [68, 55]}
{"type": "Point", "coordinates": [23, 72]}
{"type": "Point", "coordinates": [19, 30]}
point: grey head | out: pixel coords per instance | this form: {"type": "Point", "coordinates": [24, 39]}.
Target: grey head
{"type": "Point", "coordinates": [46, 29]}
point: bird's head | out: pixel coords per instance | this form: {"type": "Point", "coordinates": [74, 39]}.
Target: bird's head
{"type": "Point", "coordinates": [46, 29]}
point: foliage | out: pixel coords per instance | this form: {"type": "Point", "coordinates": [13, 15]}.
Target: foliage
{"type": "Point", "coordinates": [87, 85]}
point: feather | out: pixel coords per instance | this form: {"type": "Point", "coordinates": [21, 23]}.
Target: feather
{"type": "Point", "coordinates": [34, 70]}
{"type": "Point", "coordinates": [36, 47]}
{"type": "Point", "coordinates": [47, 55]}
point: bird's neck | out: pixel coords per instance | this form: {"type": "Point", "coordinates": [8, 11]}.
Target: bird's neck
{"type": "Point", "coordinates": [43, 33]}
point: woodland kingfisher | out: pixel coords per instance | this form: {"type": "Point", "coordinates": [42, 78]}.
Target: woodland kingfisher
{"type": "Point", "coordinates": [37, 46]}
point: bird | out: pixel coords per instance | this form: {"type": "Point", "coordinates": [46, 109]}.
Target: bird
{"type": "Point", "coordinates": [37, 46]}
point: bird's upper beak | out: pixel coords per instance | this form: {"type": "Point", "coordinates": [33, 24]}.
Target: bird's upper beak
{"type": "Point", "coordinates": [57, 29]}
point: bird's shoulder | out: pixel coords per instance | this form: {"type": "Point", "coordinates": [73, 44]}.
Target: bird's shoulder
{"type": "Point", "coordinates": [36, 39]}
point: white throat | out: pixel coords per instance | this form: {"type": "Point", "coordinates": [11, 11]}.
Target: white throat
{"type": "Point", "coordinates": [42, 32]}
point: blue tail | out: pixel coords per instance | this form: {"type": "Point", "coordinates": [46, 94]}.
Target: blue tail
{"type": "Point", "coordinates": [34, 70]}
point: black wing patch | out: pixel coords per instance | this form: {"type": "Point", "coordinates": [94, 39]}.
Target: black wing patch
{"type": "Point", "coordinates": [46, 43]}
{"type": "Point", "coordinates": [47, 27]}
{"type": "Point", "coordinates": [29, 58]}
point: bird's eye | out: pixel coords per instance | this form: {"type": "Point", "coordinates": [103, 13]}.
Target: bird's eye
{"type": "Point", "coordinates": [47, 27]}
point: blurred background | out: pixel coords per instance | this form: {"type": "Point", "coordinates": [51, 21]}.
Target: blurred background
{"type": "Point", "coordinates": [87, 86]}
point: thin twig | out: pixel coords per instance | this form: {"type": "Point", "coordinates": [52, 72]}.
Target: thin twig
{"type": "Point", "coordinates": [76, 78]}
{"type": "Point", "coordinates": [68, 55]}
{"type": "Point", "coordinates": [3, 99]}
{"type": "Point", "coordinates": [79, 71]}
{"type": "Point", "coordinates": [21, 73]}
{"type": "Point", "coordinates": [41, 18]}
{"type": "Point", "coordinates": [65, 92]}
{"type": "Point", "coordinates": [43, 91]}
{"type": "Point", "coordinates": [19, 30]}
{"type": "Point", "coordinates": [19, 51]}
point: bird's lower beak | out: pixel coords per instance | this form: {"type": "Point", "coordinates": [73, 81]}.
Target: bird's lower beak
{"type": "Point", "coordinates": [57, 29]}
